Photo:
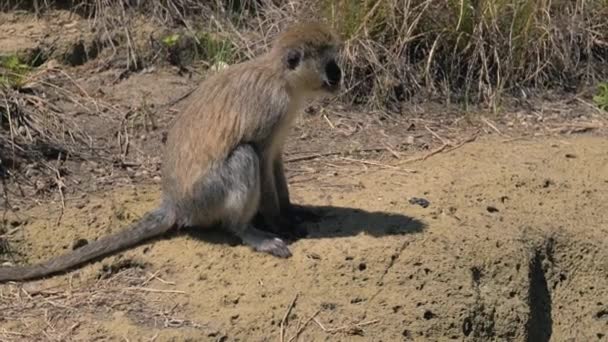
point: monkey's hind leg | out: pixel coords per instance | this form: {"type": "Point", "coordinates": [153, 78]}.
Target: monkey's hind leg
{"type": "Point", "coordinates": [241, 180]}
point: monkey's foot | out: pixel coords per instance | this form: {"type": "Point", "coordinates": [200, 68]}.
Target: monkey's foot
{"type": "Point", "coordinates": [265, 242]}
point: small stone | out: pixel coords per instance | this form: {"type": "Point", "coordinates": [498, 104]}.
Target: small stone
{"type": "Point", "coordinates": [79, 243]}
{"type": "Point", "coordinates": [423, 202]}
{"type": "Point", "coordinates": [547, 183]}
{"type": "Point", "coordinates": [356, 300]}
{"type": "Point", "coordinates": [428, 314]}
{"type": "Point", "coordinates": [491, 209]}
{"type": "Point", "coordinates": [314, 256]}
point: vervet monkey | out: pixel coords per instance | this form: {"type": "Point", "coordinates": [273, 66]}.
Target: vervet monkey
{"type": "Point", "coordinates": [222, 160]}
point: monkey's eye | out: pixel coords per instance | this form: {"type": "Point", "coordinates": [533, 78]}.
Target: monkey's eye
{"type": "Point", "coordinates": [293, 59]}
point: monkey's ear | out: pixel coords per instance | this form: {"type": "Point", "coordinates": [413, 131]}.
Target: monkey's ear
{"type": "Point", "coordinates": [292, 59]}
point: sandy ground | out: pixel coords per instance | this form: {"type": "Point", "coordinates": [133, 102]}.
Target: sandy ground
{"type": "Point", "coordinates": [512, 247]}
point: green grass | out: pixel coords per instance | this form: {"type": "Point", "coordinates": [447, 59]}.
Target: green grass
{"type": "Point", "coordinates": [470, 51]}
{"type": "Point", "coordinates": [171, 40]}
{"type": "Point", "coordinates": [601, 98]}
{"type": "Point", "coordinates": [215, 49]}
{"type": "Point", "coordinates": [352, 17]}
{"type": "Point", "coordinates": [13, 71]}
{"type": "Point", "coordinates": [211, 48]}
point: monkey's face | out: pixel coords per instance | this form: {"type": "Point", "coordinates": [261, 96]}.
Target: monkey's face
{"type": "Point", "coordinates": [314, 72]}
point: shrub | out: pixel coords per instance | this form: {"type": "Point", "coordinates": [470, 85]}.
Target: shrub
{"type": "Point", "coordinates": [399, 51]}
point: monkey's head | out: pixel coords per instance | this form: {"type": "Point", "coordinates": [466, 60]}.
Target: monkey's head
{"type": "Point", "coordinates": [307, 54]}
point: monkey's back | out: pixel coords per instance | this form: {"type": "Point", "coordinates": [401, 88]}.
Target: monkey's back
{"type": "Point", "coordinates": [229, 108]}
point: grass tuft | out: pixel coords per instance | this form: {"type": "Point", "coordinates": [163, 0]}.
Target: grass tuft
{"type": "Point", "coordinates": [13, 71]}
{"type": "Point", "coordinates": [396, 51]}
{"type": "Point", "coordinates": [601, 98]}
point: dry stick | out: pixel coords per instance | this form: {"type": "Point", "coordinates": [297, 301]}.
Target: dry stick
{"type": "Point", "coordinates": [60, 184]}
{"type": "Point", "coordinates": [152, 276]}
{"type": "Point", "coordinates": [445, 142]}
{"type": "Point", "coordinates": [367, 17]}
{"type": "Point", "coordinates": [301, 328]}
{"type": "Point", "coordinates": [146, 289]}
{"type": "Point", "coordinates": [164, 281]}
{"type": "Point", "coordinates": [575, 126]}
{"type": "Point", "coordinates": [589, 105]}
{"type": "Point", "coordinates": [12, 333]}
{"type": "Point", "coordinates": [467, 140]}
{"type": "Point", "coordinates": [513, 139]}
{"type": "Point", "coordinates": [432, 153]}
{"type": "Point", "coordinates": [440, 149]}
{"type": "Point", "coordinates": [393, 152]}
{"type": "Point", "coordinates": [10, 124]}
{"type": "Point", "coordinates": [334, 153]}
{"type": "Point", "coordinates": [329, 122]}
{"type": "Point", "coordinates": [297, 326]}
{"type": "Point", "coordinates": [284, 320]}
{"type": "Point", "coordinates": [492, 126]}
{"type": "Point", "coordinates": [69, 332]}
{"type": "Point", "coordinates": [378, 164]}
{"type": "Point", "coordinates": [345, 327]}
{"type": "Point", "coordinates": [179, 98]}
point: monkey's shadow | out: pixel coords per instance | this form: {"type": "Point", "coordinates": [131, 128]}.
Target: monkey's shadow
{"type": "Point", "coordinates": [328, 222]}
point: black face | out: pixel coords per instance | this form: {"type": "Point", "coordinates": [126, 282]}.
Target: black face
{"type": "Point", "coordinates": [334, 75]}
{"type": "Point", "coordinates": [293, 59]}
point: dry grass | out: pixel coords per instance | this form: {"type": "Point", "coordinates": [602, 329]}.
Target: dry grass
{"type": "Point", "coordinates": [67, 306]}
{"type": "Point", "coordinates": [38, 131]}
{"type": "Point", "coordinates": [398, 51]}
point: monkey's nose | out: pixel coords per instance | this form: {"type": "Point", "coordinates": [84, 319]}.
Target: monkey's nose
{"type": "Point", "coordinates": [333, 72]}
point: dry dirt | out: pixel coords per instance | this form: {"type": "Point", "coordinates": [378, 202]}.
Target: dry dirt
{"type": "Point", "coordinates": [512, 247]}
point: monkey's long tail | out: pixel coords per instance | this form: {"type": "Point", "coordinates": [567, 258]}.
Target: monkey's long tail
{"type": "Point", "coordinates": [153, 224]}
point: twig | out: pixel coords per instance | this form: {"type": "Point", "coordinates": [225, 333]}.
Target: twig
{"type": "Point", "coordinates": [70, 331]}
{"type": "Point", "coordinates": [445, 142]}
{"type": "Point", "coordinates": [179, 98]}
{"type": "Point", "coordinates": [465, 141]}
{"type": "Point", "coordinates": [368, 162]}
{"type": "Point", "coordinates": [393, 152]}
{"type": "Point", "coordinates": [10, 232]}
{"type": "Point", "coordinates": [152, 276]}
{"type": "Point", "coordinates": [146, 289]}
{"type": "Point", "coordinates": [60, 186]}
{"type": "Point", "coordinates": [442, 148]}
{"type": "Point", "coordinates": [155, 276]}
{"type": "Point", "coordinates": [576, 127]}
{"type": "Point", "coordinates": [329, 122]}
{"type": "Point", "coordinates": [285, 317]}
{"type": "Point", "coordinates": [345, 327]}
{"type": "Point", "coordinates": [14, 333]}
{"type": "Point", "coordinates": [492, 126]}
{"type": "Point", "coordinates": [301, 328]}
{"type": "Point", "coordinates": [334, 153]}
{"type": "Point", "coordinates": [513, 139]}
{"type": "Point", "coordinates": [424, 157]}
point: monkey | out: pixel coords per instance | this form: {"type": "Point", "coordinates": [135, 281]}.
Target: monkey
{"type": "Point", "coordinates": [222, 159]}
